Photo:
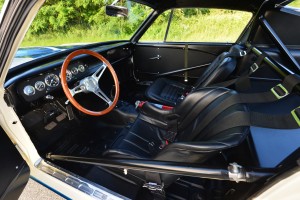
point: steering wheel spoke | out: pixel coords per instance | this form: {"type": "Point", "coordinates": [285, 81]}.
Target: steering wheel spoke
{"type": "Point", "coordinates": [97, 75]}
{"type": "Point", "coordinates": [77, 89]}
{"type": "Point", "coordinates": [103, 96]}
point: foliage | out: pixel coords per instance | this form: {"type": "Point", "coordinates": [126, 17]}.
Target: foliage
{"type": "Point", "coordinates": [295, 4]}
{"type": "Point", "coordinates": [1, 4]}
{"type": "Point", "coordinates": [85, 21]}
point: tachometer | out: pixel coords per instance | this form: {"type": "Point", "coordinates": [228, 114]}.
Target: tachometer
{"type": "Point", "coordinates": [39, 85]}
{"type": "Point", "coordinates": [52, 80]}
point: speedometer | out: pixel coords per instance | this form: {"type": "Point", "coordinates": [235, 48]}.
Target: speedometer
{"type": "Point", "coordinates": [52, 80]}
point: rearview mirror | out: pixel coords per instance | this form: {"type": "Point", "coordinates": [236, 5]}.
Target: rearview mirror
{"type": "Point", "coordinates": [116, 11]}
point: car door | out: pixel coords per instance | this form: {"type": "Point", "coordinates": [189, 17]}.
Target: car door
{"type": "Point", "coordinates": [14, 171]}
{"type": "Point", "coordinates": [181, 43]}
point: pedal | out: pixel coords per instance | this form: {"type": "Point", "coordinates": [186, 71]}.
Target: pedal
{"type": "Point", "coordinates": [70, 112]}
{"type": "Point", "coordinates": [61, 117]}
{"type": "Point", "coordinates": [50, 126]}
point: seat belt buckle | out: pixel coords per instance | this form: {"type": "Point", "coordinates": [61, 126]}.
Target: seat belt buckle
{"type": "Point", "coordinates": [154, 186]}
{"type": "Point", "coordinates": [296, 115]}
{"type": "Point", "coordinates": [279, 91]}
{"type": "Point", "coordinates": [254, 68]}
{"type": "Point", "coordinates": [139, 104]}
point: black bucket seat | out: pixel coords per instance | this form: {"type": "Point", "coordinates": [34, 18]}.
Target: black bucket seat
{"type": "Point", "coordinates": [167, 92]}
{"type": "Point", "coordinates": [189, 133]}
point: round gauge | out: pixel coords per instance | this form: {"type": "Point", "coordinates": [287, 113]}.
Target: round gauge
{"type": "Point", "coordinates": [29, 90]}
{"type": "Point", "coordinates": [74, 71]}
{"type": "Point", "coordinates": [69, 75]}
{"type": "Point", "coordinates": [52, 80]}
{"type": "Point", "coordinates": [81, 68]}
{"type": "Point", "coordinates": [39, 85]}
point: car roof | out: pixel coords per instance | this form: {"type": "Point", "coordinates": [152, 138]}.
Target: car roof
{"type": "Point", "coordinates": [247, 5]}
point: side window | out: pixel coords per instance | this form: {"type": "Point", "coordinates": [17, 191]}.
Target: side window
{"type": "Point", "coordinates": [157, 30]}
{"type": "Point", "coordinates": [198, 25]}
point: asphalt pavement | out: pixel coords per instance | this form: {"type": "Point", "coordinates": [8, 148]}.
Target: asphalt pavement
{"type": "Point", "coordinates": [36, 191]}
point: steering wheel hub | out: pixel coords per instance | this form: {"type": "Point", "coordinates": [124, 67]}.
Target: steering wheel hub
{"type": "Point", "coordinates": [90, 84]}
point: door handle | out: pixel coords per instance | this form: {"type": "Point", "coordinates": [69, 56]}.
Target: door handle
{"type": "Point", "coordinates": [155, 58]}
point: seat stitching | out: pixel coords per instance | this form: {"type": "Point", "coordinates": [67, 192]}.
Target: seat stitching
{"type": "Point", "coordinates": [137, 146]}
{"type": "Point", "coordinates": [138, 136]}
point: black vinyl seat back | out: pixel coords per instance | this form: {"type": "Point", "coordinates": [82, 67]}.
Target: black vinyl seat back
{"type": "Point", "coordinates": [202, 131]}
{"type": "Point", "coordinates": [218, 70]}
{"type": "Point", "coordinates": [199, 130]}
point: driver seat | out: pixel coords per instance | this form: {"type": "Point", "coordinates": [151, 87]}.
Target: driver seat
{"type": "Point", "coordinates": [192, 132]}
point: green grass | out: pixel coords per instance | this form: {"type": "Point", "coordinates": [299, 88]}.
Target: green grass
{"type": "Point", "coordinates": [218, 26]}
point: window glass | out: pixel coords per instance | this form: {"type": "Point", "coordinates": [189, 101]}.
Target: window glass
{"type": "Point", "coordinates": [199, 25]}
{"type": "Point", "coordinates": [157, 30]}
{"type": "Point", "coordinates": [61, 22]}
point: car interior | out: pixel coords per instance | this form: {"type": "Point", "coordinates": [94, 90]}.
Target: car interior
{"type": "Point", "coordinates": [226, 106]}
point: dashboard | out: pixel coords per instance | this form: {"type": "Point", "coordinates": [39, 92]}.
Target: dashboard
{"type": "Point", "coordinates": [41, 85]}
{"type": "Point", "coordinates": [40, 79]}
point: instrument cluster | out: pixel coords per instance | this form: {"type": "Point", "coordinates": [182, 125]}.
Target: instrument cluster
{"type": "Point", "coordinates": [41, 85]}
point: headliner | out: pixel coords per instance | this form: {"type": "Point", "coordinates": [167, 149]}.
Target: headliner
{"type": "Point", "coordinates": [247, 5]}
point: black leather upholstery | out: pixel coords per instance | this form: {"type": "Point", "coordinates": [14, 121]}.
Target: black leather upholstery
{"type": "Point", "coordinates": [201, 133]}
{"type": "Point", "coordinates": [167, 92]}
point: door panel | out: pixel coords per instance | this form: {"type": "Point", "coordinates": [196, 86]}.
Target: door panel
{"type": "Point", "coordinates": [14, 171]}
{"type": "Point", "coordinates": [152, 60]}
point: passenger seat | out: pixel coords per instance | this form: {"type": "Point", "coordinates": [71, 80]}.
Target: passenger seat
{"type": "Point", "coordinates": [167, 92]}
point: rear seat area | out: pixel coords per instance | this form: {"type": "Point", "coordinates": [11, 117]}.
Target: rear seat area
{"type": "Point", "coordinates": [272, 146]}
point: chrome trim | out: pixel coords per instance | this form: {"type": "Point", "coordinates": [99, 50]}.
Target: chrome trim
{"type": "Point", "coordinates": [90, 188]}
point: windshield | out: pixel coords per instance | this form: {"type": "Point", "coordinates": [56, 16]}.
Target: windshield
{"type": "Point", "coordinates": [60, 25]}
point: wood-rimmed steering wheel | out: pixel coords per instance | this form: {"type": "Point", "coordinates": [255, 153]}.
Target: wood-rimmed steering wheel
{"type": "Point", "coordinates": [90, 83]}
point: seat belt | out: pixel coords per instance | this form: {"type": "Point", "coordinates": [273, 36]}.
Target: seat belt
{"type": "Point", "coordinates": [243, 82]}
{"type": "Point", "coordinates": [277, 92]}
{"type": "Point", "coordinates": [241, 118]}
{"type": "Point", "coordinates": [257, 64]}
